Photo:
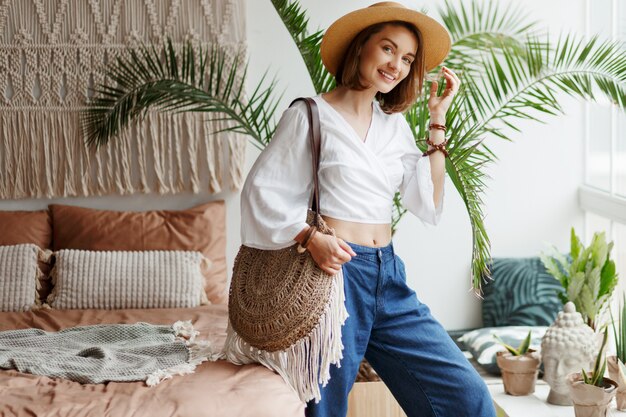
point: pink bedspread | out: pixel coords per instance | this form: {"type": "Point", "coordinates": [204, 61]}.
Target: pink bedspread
{"type": "Point", "coordinates": [216, 389]}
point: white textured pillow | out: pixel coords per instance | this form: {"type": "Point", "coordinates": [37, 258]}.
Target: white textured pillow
{"type": "Point", "coordinates": [127, 279]}
{"type": "Point", "coordinates": [19, 275]}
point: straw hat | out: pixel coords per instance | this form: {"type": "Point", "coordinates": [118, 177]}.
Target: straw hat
{"type": "Point", "coordinates": [337, 38]}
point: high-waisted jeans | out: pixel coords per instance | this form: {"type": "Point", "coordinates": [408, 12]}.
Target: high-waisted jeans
{"type": "Point", "coordinates": [412, 353]}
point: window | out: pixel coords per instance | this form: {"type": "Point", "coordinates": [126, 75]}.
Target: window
{"type": "Point", "coordinates": [603, 195]}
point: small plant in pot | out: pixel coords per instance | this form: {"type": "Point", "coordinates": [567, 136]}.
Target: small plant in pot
{"type": "Point", "coordinates": [617, 369]}
{"type": "Point", "coordinates": [519, 367]}
{"type": "Point", "coordinates": [591, 391]}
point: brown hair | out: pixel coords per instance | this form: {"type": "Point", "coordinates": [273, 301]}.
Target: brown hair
{"type": "Point", "coordinates": [403, 95]}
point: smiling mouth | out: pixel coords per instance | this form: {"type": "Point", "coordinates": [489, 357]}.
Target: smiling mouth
{"type": "Point", "coordinates": [387, 76]}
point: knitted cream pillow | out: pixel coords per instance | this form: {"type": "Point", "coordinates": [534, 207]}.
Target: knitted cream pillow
{"type": "Point", "coordinates": [19, 276]}
{"type": "Point", "coordinates": [127, 279]}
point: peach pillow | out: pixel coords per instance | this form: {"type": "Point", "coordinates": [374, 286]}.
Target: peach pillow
{"type": "Point", "coordinates": [201, 228]}
{"type": "Point", "coordinates": [25, 227]}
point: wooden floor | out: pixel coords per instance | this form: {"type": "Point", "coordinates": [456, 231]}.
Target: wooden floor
{"type": "Point", "coordinates": [372, 399]}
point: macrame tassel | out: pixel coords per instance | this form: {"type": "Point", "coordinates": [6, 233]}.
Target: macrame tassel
{"type": "Point", "coordinates": [68, 156]}
{"type": "Point", "coordinates": [37, 168]}
{"type": "Point", "coordinates": [237, 154]}
{"type": "Point", "coordinates": [4, 153]}
{"type": "Point", "coordinates": [176, 144]}
{"type": "Point", "coordinates": [189, 135]}
{"type": "Point", "coordinates": [156, 134]}
{"type": "Point", "coordinates": [124, 160]}
{"type": "Point", "coordinates": [41, 182]}
{"type": "Point", "coordinates": [307, 363]}
{"type": "Point", "coordinates": [211, 143]}
{"type": "Point", "coordinates": [140, 144]}
{"type": "Point", "coordinates": [219, 153]}
{"type": "Point", "coordinates": [83, 174]}
{"type": "Point", "coordinates": [19, 149]}
{"type": "Point", "coordinates": [115, 148]}
{"type": "Point", "coordinates": [97, 157]}
{"type": "Point", "coordinates": [167, 149]}
{"type": "Point", "coordinates": [109, 170]}
{"type": "Point", "coordinates": [10, 168]}
{"type": "Point", "coordinates": [52, 155]}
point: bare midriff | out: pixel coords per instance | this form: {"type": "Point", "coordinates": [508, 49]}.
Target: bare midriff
{"type": "Point", "coordinates": [364, 234]}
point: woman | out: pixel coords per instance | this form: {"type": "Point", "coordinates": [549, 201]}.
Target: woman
{"type": "Point", "coordinates": [379, 56]}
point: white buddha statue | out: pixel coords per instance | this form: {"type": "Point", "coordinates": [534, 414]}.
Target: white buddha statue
{"type": "Point", "coordinates": [568, 346]}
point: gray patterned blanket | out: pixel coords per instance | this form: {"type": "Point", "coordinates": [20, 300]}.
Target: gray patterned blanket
{"type": "Point", "coordinates": [106, 352]}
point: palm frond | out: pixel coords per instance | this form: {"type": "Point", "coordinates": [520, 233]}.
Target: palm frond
{"type": "Point", "coordinates": [513, 85]}
{"type": "Point", "coordinates": [482, 26]}
{"type": "Point", "coordinates": [192, 80]}
{"type": "Point", "coordinates": [471, 23]}
{"type": "Point", "coordinates": [466, 169]}
{"type": "Point", "coordinates": [296, 22]}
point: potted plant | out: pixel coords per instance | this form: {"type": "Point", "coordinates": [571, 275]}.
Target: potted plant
{"type": "Point", "coordinates": [617, 369]}
{"type": "Point", "coordinates": [519, 367]}
{"type": "Point", "coordinates": [588, 277]}
{"type": "Point", "coordinates": [592, 392]}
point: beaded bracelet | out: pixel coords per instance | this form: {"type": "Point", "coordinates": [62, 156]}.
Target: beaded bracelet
{"type": "Point", "coordinates": [439, 147]}
{"type": "Point", "coordinates": [437, 126]}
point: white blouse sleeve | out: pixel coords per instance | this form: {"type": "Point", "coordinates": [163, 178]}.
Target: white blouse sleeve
{"type": "Point", "coordinates": [417, 189]}
{"type": "Point", "coordinates": [277, 191]}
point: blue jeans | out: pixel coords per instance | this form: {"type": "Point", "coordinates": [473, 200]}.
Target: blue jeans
{"type": "Point", "coordinates": [418, 361]}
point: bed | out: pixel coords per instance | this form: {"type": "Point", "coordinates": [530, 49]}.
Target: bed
{"type": "Point", "coordinates": [215, 388]}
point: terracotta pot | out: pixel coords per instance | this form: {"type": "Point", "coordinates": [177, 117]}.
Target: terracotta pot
{"type": "Point", "coordinates": [519, 373]}
{"type": "Point", "coordinates": [589, 400]}
{"type": "Point", "coordinates": [615, 375]}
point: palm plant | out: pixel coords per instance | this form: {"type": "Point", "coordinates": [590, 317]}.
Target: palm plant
{"type": "Point", "coordinates": [506, 66]}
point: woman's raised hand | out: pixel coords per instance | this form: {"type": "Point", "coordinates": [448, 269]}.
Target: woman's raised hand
{"type": "Point", "coordinates": [329, 252]}
{"type": "Point", "coordinates": [438, 105]}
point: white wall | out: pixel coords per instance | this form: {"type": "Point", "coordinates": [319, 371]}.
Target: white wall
{"type": "Point", "coordinates": [531, 198]}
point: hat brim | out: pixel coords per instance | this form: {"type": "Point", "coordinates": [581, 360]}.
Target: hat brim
{"type": "Point", "coordinates": [336, 40]}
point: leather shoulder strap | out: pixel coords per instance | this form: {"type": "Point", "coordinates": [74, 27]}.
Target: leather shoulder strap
{"type": "Point", "coordinates": [315, 140]}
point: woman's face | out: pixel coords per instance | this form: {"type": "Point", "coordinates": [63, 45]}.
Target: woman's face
{"type": "Point", "coordinates": [386, 58]}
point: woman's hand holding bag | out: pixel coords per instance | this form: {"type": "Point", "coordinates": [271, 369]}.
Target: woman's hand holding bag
{"type": "Point", "coordinates": [330, 252]}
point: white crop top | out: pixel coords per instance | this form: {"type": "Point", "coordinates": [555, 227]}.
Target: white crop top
{"type": "Point", "coordinates": [358, 179]}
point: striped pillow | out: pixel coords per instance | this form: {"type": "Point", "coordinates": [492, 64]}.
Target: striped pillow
{"type": "Point", "coordinates": [484, 347]}
{"type": "Point", "coordinates": [19, 273]}
{"type": "Point", "coordinates": [127, 279]}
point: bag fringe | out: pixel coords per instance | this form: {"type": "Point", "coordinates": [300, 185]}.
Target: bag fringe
{"type": "Point", "coordinates": [306, 364]}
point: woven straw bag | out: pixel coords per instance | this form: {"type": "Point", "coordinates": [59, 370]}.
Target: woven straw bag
{"type": "Point", "coordinates": [284, 311]}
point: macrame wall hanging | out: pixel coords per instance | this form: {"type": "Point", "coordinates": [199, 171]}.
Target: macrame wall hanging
{"type": "Point", "coordinates": [53, 51]}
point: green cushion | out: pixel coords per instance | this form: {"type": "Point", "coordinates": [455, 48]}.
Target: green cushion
{"type": "Point", "coordinates": [521, 293]}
